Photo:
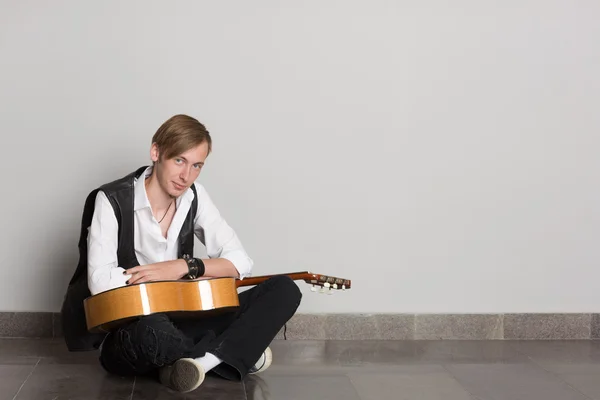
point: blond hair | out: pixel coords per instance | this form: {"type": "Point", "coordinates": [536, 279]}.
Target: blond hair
{"type": "Point", "coordinates": [179, 134]}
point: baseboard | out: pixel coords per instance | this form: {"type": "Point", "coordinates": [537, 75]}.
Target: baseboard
{"type": "Point", "coordinates": [443, 327]}
{"type": "Point", "coordinates": [377, 326]}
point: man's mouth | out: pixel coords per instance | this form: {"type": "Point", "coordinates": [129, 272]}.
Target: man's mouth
{"type": "Point", "coordinates": [178, 186]}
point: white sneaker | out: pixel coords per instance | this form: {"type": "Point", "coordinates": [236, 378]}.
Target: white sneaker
{"type": "Point", "coordinates": [263, 362]}
{"type": "Point", "coordinates": [185, 375]}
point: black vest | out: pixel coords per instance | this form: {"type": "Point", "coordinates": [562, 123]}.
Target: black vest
{"type": "Point", "coordinates": [120, 193]}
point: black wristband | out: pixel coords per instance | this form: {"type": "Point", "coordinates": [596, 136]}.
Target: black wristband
{"type": "Point", "coordinates": [201, 267]}
{"type": "Point", "coordinates": [195, 268]}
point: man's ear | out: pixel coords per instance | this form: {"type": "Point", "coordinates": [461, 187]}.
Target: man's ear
{"type": "Point", "coordinates": [154, 153]}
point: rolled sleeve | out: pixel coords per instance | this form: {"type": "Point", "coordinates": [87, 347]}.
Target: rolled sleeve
{"type": "Point", "coordinates": [241, 261]}
{"type": "Point", "coordinates": [103, 270]}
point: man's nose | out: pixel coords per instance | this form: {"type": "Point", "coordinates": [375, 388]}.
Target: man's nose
{"type": "Point", "coordinates": [184, 174]}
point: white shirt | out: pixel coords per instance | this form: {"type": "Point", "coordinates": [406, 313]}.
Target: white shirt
{"type": "Point", "coordinates": [150, 245]}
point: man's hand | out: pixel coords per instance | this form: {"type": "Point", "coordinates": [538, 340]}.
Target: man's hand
{"type": "Point", "coordinates": [162, 271]}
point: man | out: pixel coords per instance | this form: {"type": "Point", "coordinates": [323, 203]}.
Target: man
{"type": "Point", "coordinates": [139, 229]}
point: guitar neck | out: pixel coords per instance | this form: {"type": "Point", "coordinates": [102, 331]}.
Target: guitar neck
{"type": "Point", "coordinates": [330, 282]}
{"type": "Point", "coordinates": [255, 280]}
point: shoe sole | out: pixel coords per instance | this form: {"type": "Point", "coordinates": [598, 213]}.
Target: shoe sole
{"type": "Point", "coordinates": [268, 361]}
{"type": "Point", "coordinates": [186, 375]}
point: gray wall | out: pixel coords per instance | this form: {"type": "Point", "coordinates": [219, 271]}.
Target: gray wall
{"type": "Point", "coordinates": [442, 155]}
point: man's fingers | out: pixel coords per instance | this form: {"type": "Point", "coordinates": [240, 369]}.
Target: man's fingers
{"type": "Point", "coordinates": [136, 278]}
{"type": "Point", "coordinates": [135, 270]}
{"type": "Point", "coordinates": [141, 277]}
{"type": "Point", "coordinates": [137, 273]}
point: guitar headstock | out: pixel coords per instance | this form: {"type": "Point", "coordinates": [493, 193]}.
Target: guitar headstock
{"type": "Point", "coordinates": [327, 282]}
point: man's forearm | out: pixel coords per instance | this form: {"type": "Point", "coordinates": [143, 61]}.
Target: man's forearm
{"type": "Point", "coordinates": [178, 269]}
{"type": "Point", "coordinates": [219, 267]}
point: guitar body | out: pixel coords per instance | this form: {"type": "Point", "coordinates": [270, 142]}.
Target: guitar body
{"type": "Point", "coordinates": [107, 310]}
{"type": "Point", "coordinates": [199, 298]}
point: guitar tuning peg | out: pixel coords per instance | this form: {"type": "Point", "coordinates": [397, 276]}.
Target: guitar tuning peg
{"type": "Point", "coordinates": [322, 290]}
{"type": "Point", "coordinates": [327, 284]}
{"type": "Point", "coordinates": [330, 292]}
{"type": "Point", "coordinates": [313, 288]}
{"type": "Point", "coordinates": [335, 286]}
{"type": "Point", "coordinates": [344, 288]}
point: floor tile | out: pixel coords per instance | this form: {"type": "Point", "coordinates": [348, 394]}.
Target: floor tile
{"type": "Point", "coordinates": [376, 352]}
{"type": "Point", "coordinates": [330, 369]}
{"type": "Point", "coordinates": [213, 388]}
{"type": "Point", "coordinates": [301, 352]}
{"type": "Point", "coordinates": [18, 360]}
{"type": "Point", "coordinates": [345, 352]}
{"type": "Point", "coordinates": [32, 347]}
{"type": "Point", "coordinates": [300, 386]}
{"type": "Point", "coordinates": [52, 351]}
{"type": "Point", "coordinates": [26, 347]}
{"type": "Point", "coordinates": [75, 382]}
{"type": "Point", "coordinates": [559, 351]}
{"type": "Point", "coordinates": [12, 376]}
{"type": "Point", "coordinates": [470, 351]}
{"type": "Point", "coordinates": [512, 382]}
{"type": "Point", "coordinates": [582, 377]}
{"type": "Point", "coordinates": [408, 383]}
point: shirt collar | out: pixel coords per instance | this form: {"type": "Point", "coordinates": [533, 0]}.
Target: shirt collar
{"type": "Point", "coordinates": [141, 197]}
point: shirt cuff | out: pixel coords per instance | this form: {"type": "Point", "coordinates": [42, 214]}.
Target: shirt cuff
{"type": "Point", "coordinates": [98, 283]}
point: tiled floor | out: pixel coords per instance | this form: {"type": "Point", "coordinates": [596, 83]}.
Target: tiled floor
{"type": "Point", "coordinates": [348, 370]}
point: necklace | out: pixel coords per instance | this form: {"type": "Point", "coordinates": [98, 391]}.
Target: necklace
{"type": "Point", "coordinates": [168, 208]}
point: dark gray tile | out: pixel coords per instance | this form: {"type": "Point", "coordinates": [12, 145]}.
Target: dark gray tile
{"type": "Point", "coordinates": [559, 351]}
{"type": "Point", "coordinates": [72, 358]}
{"type": "Point", "coordinates": [458, 326]}
{"type": "Point", "coordinates": [396, 326]}
{"type": "Point", "coordinates": [17, 360]}
{"type": "Point", "coordinates": [582, 377]}
{"type": "Point", "coordinates": [488, 369]}
{"type": "Point", "coordinates": [595, 326]}
{"type": "Point", "coordinates": [471, 351]}
{"type": "Point", "coordinates": [213, 388]}
{"type": "Point", "coordinates": [51, 351]}
{"type": "Point", "coordinates": [547, 326]}
{"type": "Point", "coordinates": [408, 382]}
{"type": "Point", "coordinates": [83, 382]}
{"type": "Point", "coordinates": [314, 353]}
{"type": "Point", "coordinates": [373, 352]}
{"type": "Point", "coordinates": [351, 327]}
{"type": "Point", "coordinates": [299, 386]}
{"type": "Point", "coordinates": [12, 376]}
{"type": "Point", "coordinates": [29, 347]}
{"type": "Point", "coordinates": [511, 382]}
{"type": "Point", "coordinates": [25, 324]}
{"type": "Point", "coordinates": [301, 352]}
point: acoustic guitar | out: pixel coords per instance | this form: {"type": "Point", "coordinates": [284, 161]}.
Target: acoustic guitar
{"type": "Point", "coordinates": [183, 298]}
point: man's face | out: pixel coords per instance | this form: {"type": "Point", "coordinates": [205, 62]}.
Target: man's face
{"type": "Point", "coordinates": [177, 174]}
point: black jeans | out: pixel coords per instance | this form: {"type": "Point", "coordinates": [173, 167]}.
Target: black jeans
{"type": "Point", "coordinates": [238, 338]}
